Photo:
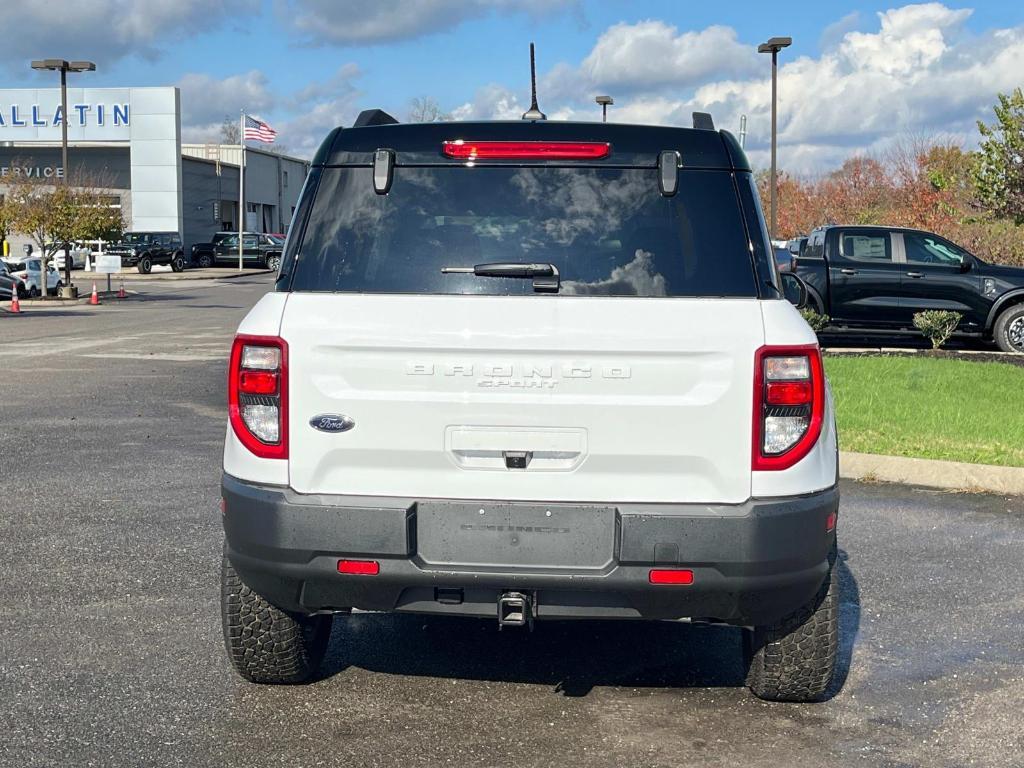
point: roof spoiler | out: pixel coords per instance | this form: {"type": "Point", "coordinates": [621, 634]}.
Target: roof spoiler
{"type": "Point", "coordinates": [370, 117]}
{"type": "Point", "coordinates": [702, 121]}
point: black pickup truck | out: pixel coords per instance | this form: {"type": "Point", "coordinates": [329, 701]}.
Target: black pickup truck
{"type": "Point", "coordinates": [257, 250]}
{"type": "Point", "coordinates": [875, 279]}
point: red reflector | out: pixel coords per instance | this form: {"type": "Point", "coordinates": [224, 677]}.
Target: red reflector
{"type": "Point", "coordinates": [671, 576]}
{"type": "Point", "coordinates": [830, 522]}
{"type": "Point", "coordinates": [359, 567]}
{"type": "Point", "coordinates": [789, 392]}
{"type": "Point", "coordinates": [514, 150]}
{"type": "Point", "coordinates": [257, 382]}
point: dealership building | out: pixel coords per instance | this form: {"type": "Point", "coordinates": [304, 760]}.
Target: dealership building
{"type": "Point", "coordinates": [128, 141]}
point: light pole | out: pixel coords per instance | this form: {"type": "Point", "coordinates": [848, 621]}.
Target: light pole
{"type": "Point", "coordinates": [62, 66]}
{"type": "Point", "coordinates": [604, 102]}
{"type": "Point", "coordinates": [773, 46]}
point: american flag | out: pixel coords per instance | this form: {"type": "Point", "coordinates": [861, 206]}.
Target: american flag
{"type": "Point", "coordinates": [257, 130]}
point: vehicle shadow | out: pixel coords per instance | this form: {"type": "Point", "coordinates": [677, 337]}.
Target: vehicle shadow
{"type": "Point", "coordinates": [573, 657]}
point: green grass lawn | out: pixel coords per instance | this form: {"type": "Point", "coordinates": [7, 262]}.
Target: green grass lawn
{"type": "Point", "coordinates": [930, 408]}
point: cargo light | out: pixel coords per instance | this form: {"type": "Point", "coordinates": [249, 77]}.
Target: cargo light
{"type": "Point", "coordinates": [461, 149]}
{"type": "Point", "coordinates": [359, 567]}
{"type": "Point", "coordinates": [789, 405]}
{"type": "Point", "coordinates": [679, 576]}
{"type": "Point", "coordinates": [258, 394]}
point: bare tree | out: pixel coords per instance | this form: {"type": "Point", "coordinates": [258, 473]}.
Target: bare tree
{"type": "Point", "coordinates": [229, 131]}
{"type": "Point", "coordinates": [426, 110]}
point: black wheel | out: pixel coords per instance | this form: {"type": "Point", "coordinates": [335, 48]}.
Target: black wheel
{"type": "Point", "coordinates": [264, 643]}
{"type": "Point", "coordinates": [57, 287]}
{"type": "Point", "coordinates": [22, 293]}
{"type": "Point", "coordinates": [273, 261]}
{"type": "Point", "coordinates": [145, 265]}
{"type": "Point", "coordinates": [178, 263]}
{"type": "Point", "coordinates": [33, 292]}
{"type": "Point", "coordinates": [205, 260]}
{"type": "Point", "coordinates": [1008, 330]}
{"type": "Point", "coordinates": [794, 660]}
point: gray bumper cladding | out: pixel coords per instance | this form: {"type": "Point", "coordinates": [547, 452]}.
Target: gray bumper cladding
{"type": "Point", "coordinates": [752, 563]}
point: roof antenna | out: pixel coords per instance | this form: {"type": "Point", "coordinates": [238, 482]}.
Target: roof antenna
{"type": "Point", "coordinates": [533, 113]}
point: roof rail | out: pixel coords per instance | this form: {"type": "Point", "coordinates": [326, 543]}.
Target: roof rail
{"type": "Point", "coordinates": [702, 121]}
{"type": "Point", "coordinates": [373, 117]}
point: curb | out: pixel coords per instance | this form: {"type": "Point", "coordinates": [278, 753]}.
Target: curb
{"type": "Point", "coordinates": [931, 473]}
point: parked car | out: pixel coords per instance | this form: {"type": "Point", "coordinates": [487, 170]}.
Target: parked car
{"type": "Point", "coordinates": [143, 250]}
{"type": "Point", "coordinates": [875, 279]}
{"type": "Point", "coordinates": [511, 377]}
{"type": "Point", "coordinates": [28, 273]}
{"type": "Point", "coordinates": [257, 250]}
{"type": "Point", "coordinates": [78, 254]}
{"type": "Point", "coordinates": [7, 283]}
{"type": "Point", "coordinates": [797, 245]}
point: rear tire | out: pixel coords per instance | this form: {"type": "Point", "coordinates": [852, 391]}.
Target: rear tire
{"type": "Point", "coordinates": [145, 265]}
{"type": "Point", "coordinates": [264, 643]}
{"type": "Point", "coordinates": [178, 263]}
{"type": "Point", "coordinates": [273, 262]}
{"type": "Point", "coordinates": [1008, 331]}
{"type": "Point", "coordinates": [795, 659]}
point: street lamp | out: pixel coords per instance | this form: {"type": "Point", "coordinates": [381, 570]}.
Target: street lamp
{"type": "Point", "coordinates": [604, 102]}
{"type": "Point", "coordinates": [773, 46]}
{"type": "Point", "coordinates": [62, 66]}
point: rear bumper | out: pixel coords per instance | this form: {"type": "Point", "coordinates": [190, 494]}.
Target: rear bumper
{"type": "Point", "coordinates": [752, 563]}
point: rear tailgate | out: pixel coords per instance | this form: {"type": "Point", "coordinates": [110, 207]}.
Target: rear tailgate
{"type": "Point", "coordinates": [608, 399]}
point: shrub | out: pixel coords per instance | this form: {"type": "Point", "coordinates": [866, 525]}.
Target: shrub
{"type": "Point", "coordinates": [817, 322]}
{"type": "Point", "coordinates": [937, 325]}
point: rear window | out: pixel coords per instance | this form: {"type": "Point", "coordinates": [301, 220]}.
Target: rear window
{"type": "Point", "coordinates": [608, 231]}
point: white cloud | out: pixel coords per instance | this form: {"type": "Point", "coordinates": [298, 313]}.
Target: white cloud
{"type": "Point", "coordinates": [652, 53]}
{"type": "Point", "coordinates": [207, 101]}
{"type": "Point", "coordinates": [103, 30]}
{"type": "Point", "coordinates": [919, 70]}
{"type": "Point", "coordinates": [321, 106]}
{"type": "Point", "coordinates": [834, 33]}
{"type": "Point", "coordinates": [357, 22]}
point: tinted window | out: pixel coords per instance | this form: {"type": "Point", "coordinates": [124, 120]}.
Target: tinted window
{"type": "Point", "coordinates": [136, 238]}
{"type": "Point", "coordinates": [608, 231]}
{"type": "Point", "coordinates": [929, 249]}
{"type": "Point", "coordinates": [247, 241]}
{"type": "Point", "coordinates": [866, 246]}
{"type": "Point", "coordinates": [815, 246]}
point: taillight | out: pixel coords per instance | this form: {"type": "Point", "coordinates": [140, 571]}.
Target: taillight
{"type": "Point", "coordinates": [258, 394]}
{"type": "Point", "coordinates": [524, 150]}
{"type": "Point", "coordinates": [789, 405]}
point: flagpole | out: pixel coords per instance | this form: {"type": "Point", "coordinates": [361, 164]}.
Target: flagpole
{"type": "Point", "coordinates": [241, 188]}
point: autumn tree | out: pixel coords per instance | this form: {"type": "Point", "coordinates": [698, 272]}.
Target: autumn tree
{"type": "Point", "coordinates": [999, 174]}
{"type": "Point", "coordinates": [54, 214]}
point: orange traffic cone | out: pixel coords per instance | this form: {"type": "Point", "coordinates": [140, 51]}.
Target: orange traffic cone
{"type": "Point", "coordinates": [95, 298]}
{"type": "Point", "coordinates": [120, 292]}
{"type": "Point", "coordinates": [15, 304]}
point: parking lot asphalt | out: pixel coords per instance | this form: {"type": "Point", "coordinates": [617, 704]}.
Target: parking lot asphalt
{"type": "Point", "coordinates": [111, 425]}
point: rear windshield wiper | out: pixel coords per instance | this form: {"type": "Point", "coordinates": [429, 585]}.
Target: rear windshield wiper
{"type": "Point", "coordinates": [545, 276]}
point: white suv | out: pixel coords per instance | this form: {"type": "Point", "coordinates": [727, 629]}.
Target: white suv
{"type": "Point", "coordinates": [526, 371]}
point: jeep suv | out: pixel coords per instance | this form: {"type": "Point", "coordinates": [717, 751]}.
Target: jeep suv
{"type": "Point", "coordinates": [530, 371]}
{"type": "Point", "coordinates": [144, 249]}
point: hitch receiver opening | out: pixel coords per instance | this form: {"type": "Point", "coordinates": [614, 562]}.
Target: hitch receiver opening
{"type": "Point", "coordinates": [515, 610]}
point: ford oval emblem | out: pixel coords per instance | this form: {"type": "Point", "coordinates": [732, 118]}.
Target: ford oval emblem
{"type": "Point", "coordinates": [330, 422]}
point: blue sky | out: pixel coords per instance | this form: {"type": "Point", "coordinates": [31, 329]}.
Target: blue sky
{"type": "Point", "coordinates": [879, 70]}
